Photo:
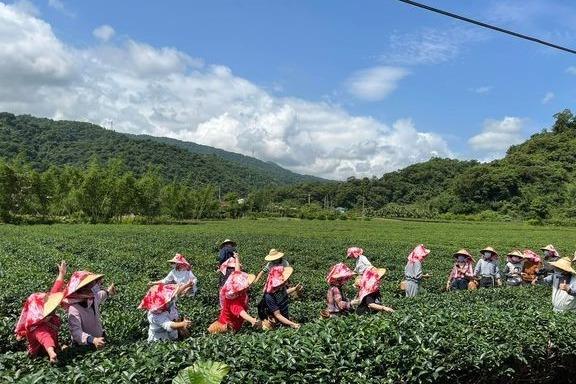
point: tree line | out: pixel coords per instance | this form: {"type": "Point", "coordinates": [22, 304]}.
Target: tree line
{"type": "Point", "coordinates": [102, 193]}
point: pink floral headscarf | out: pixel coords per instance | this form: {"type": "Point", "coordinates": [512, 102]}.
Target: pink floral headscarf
{"type": "Point", "coordinates": [236, 283]}
{"type": "Point", "coordinates": [550, 248]}
{"type": "Point", "coordinates": [75, 280]}
{"type": "Point", "coordinates": [369, 283]}
{"type": "Point", "coordinates": [339, 271]}
{"type": "Point", "coordinates": [157, 297]}
{"type": "Point", "coordinates": [230, 263]}
{"type": "Point", "coordinates": [32, 313]}
{"type": "Point", "coordinates": [181, 262]}
{"type": "Point", "coordinates": [418, 254]}
{"type": "Point", "coordinates": [354, 252]}
{"type": "Point", "coordinates": [275, 278]}
{"type": "Point", "coordinates": [532, 256]}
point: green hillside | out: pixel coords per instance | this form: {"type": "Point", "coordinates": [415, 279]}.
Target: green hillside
{"type": "Point", "coordinates": [535, 180]}
{"type": "Point", "coordinates": [44, 142]}
{"type": "Point", "coordinates": [265, 167]}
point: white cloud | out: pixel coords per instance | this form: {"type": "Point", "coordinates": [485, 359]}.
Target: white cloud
{"type": "Point", "coordinates": [104, 32]}
{"type": "Point", "coordinates": [59, 6]}
{"type": "Point", "coordinates": [30, 54]}
{"type": "Point", "coordinates": [56, 4]}
{"type": "Point", "coordinates": [571, 70]}
{"type": "Point", "coordinates": [498, 135]}
{"type": "Point", "coordinates": [548, 97]}
{"type": "Point", "coordinates": [26, 6]}
{"type": "Point", "coordinates": [429, 45]}
{"type": "Point", "coordinates": [482, 90]}
{"type": "Point", "coordinates": [165, 92]}
{"type": "Point", "coordinates": [376, 83]}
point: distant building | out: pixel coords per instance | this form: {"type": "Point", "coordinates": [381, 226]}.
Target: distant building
{"type": "Point", "coordinates": [340, 209]}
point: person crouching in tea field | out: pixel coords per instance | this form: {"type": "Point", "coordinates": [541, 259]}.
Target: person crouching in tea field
{"type": "Point", "coordinates": [226, 262]}
{"type": "Point", "coordinates": [160, 302]}
{"type": "Point", "coordinates": [550, 254]}
{"type": "Point", "coordinates": [369, 292]}
{"type": "Point", "coordinates": [181, 273]}
{"type": "Point", "coordinates": [273, 308]}
{"type": "Point", "coordinates": [532, 264]}
{"type": "Point", "coordinates": [514, 268]}
{"type": "Point", "coordinates": [274, 258]}
{"type": "Point", "coordinates": [227, 250]}
{"type": "Point", "coordinates": [413, 274]}
{"type": "Point", "coordinates": [362, 262]}
{"type": "Point", "coordinates": [338, 276]}
{"type": "Point", "coordinates": [487, 270]}
{"type": "Point", "coordinates": [462, 271]}
{"type": "Point", "coordinates": [234, 310]}
{"type": "Point", "coordinates": [563, 285]}
{"type": "Point", "coordinates": [82, 299]}
{"type": "Point", "coordinates": [38, 323]}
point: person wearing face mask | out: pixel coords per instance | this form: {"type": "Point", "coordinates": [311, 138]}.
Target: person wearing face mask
{"type": "Point", "coordinates": [547, 271]}
{"type": "Point", "coordinates": [234, 294]}
{"type": "Point", "coordinates": [487, 270]}
{"type": "Point", "coordinates": [181, 273]}
{"type": "Point", "coordinates": [413, 274]}
{"type": "Point", "coordinates": [563, 285]}
{"type": "Point", "coordinates": [82, 299]}
{"type": "Point", "coordinates": [514, 267]}
{"type": "Point", "coordinates": [462, 271]}
{"type": "Point", "coordinates": [160, 302]}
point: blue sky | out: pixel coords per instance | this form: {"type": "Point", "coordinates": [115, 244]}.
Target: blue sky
{"type": "Point", "coordinates": [331, 88]}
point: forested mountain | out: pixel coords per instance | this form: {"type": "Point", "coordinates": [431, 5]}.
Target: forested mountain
{"type": "Point", "coordinates": [46, 172]}
{"type": "Point", "coordinates": [535, 180]}
{"type": "Point", "coordinates": [43, 143]}
{"type": "Point", "coordinates": [265, 167]}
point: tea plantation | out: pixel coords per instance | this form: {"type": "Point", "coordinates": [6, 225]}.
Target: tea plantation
{"type": "Point", "coordinates": [501, 335]}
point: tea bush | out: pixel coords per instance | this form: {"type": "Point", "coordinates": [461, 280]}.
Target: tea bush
{"type": "Point", "coordinates": [488, 336]}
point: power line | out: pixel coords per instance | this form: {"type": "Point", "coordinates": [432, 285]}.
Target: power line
{"type": "Point", "coordinates": [489, 26]}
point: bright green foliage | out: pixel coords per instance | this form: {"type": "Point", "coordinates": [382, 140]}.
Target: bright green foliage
{"type": "Point", "coordinates": [44, 143]}
{"type": "Point", "coordinates": [98, 194]}
{"type": "Point", "coordinates": [534, 181]}
{"type": "Point", "coordinates": [488, 336]}
{"type": "Point", "coordinates": [202, 372]}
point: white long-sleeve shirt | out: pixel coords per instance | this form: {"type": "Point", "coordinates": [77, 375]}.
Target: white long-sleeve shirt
{"type": "Point", "coordinates": [562, 300]}
{"type": "Point", "coordinates": [362, 264]}
{"type": "Point", "coordinates": [182, 277]}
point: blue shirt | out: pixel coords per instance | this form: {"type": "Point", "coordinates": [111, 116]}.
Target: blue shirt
{"type": "Point", "coordinates": [277, 301]}
{"type": "Point", "coordinates": [487, 269]}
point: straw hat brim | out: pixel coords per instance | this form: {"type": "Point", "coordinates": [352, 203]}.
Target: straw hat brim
{"type": "Point", "coordinates": [563, 264]}
{"type": "Point", "coordinates": [52, 302]}
{"type": "Point", "coordinates": [287, 273]}
{"type": "Point", "coordinates": [275, 256]}
{"type": "Point", "coordinates": [343, 276]}
{"type": "Point", "coordinates": [516, 253]}
{"type": "Point", "coordinates": [251, 278]}
{"type": "Point", "coordinates": [87, 280]}
{"type": "Point", "coordinates": [176, 262]}
{"type": "Point", "coordinates": [462, 252]}
{"type": "Point", "coordinates": [227, 241]}
{"type": "Point", "coordinates": [489, 249]}
{"type": "Point", "coordinates": [381, 272]}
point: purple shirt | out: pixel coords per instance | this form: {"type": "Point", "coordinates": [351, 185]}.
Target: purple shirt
{"type": "Point", "coordinates": [85, 321]}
